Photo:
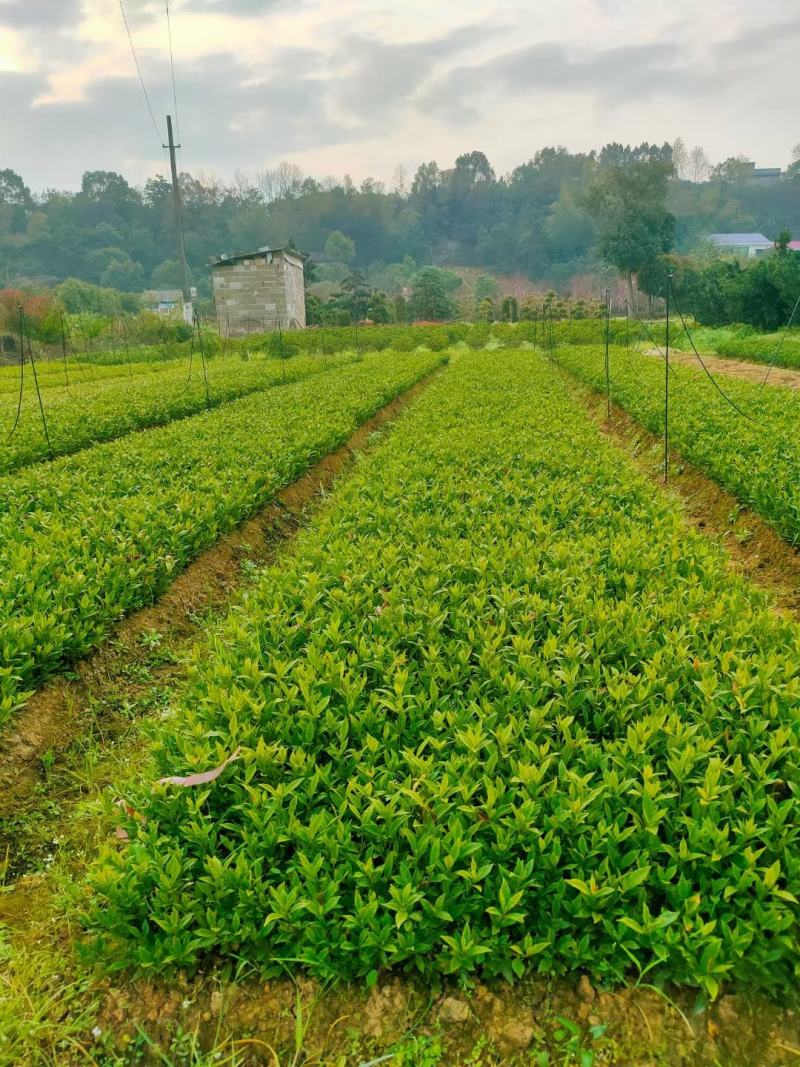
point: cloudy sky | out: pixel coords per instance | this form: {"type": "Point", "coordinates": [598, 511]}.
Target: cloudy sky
{"type": "Point", "coordinates": [358, 86]}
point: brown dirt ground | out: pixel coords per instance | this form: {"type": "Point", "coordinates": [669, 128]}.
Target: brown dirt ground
{"type": "Point", "coordinates": [644, 1028]}
{"type": "Point", "coordinates": [735, 368]}
{"type": "Point", "coordinates": [61, 710]}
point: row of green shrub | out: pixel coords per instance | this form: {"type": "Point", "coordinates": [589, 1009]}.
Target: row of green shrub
{"type": "Point", "coordinates": [88, 412]}
{"type": "Point", "coordinates": [755, 455]}
{"type": "Point", "coordinates": [88, 537]}
{"type": "Point", "coordinates": [500, 711]}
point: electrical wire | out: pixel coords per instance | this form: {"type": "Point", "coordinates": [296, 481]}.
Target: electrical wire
{"type": "Point", "coordinates": [38, 393]}
{"type": "Point", "coordinates": [711, 377]}
{"type": "Point", "coordinates": [780, 343]}
{"type": "Point", "coordinates": [90, 376]}
{"type": "Point", "coordinates": [202, 355]}
{"type": "Point", "coordinates": [172, 71]}
{"type": "Point", "coordinates": [139, 72]}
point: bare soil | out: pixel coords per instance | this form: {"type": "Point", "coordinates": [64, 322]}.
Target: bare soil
{"type": "Point", "coordinates": [123, 665]}
{"type": "Point", "coordinates": [735, 368]}
{"type": "Point", "coordinates": [634, 1027]}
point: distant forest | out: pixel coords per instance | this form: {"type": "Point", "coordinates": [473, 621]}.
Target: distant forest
{"type": "Point", "coordinates": [536, 220]}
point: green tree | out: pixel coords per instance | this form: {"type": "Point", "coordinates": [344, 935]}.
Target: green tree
{"type": "Point", "coordinates": [509, 309]}
{"type": "Point", "coordinates": [529, 311]}
{"type": "Point", "coordinates": [484, 310]}
{"type": "Point", "coordinates": [98, 260]}
{"type": "Point", "coordinates": [378, 309]}
{"type": "Point", "coordinates": [123, 273]}
{"type": "Point", "coordinates": [354, 295]}
{"type": "Point", "coordinates": [77, 296]}
{"type": "Point", "coordinates": [340, 248]}
{"type": "Point", "coordinates": [16, 203]}
{"type": "Point", "coordinates": [473, 167]}
{"type": "Point", "coordinates": [400, 308]}
{"type": "Point", "coordinates": [167, 275]}
{"type": "Point", "coordinates": [782, 242]}
{"type": "Point", "coordinates": [430, 294]}
{"type": "Point", "coordinates": [628, 205]}
{"type": "Point", "coordinates": [732, 170]}
{"type": "Point", "coordinates": [485, 286]}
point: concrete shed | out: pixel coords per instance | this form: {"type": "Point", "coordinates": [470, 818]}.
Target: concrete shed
{"type": "Point", "coordinates": [258, 292]}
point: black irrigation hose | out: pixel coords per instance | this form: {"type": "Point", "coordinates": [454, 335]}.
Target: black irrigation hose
{"type": "Point", "coordinates": [21, 378]}
{"type": "Point", "coordinates": [645, 328]}
{"type": "Point", "coordinates": [90, 376]}
{"type": "Point", "coordinates": [24, 327]}
{"type": "Point", "coordinates": [711, 377]}
{"type": "Point", "coordinates": [780, 343]}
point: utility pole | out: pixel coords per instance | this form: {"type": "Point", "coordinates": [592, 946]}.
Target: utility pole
{"type": "Point", "coordinates": [188, 310]}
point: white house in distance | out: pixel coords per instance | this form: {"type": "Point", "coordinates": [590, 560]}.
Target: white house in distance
{"type": "Point", "coordinates": [165, 301]}
{"type": "Point", "coordinates": [747, 245]}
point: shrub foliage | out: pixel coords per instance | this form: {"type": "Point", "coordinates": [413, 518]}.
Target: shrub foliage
{"type": "Point", "coordinates": [500, 711]}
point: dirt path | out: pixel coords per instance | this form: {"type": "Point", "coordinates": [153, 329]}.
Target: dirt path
{"type": "Point", "coordinates": [145, 649]}
{"type": "Point", "coordinates": [734, 368]}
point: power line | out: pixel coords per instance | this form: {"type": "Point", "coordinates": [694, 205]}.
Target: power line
{"type": "Point", "coordinates": [172, 71]}
{"type": "Point", "coordinates": [139, 72]}
{"type": "Point", "coordinates": [644, 327]}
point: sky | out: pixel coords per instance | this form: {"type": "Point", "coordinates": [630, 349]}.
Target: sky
{"type": "Point", "coordinates": [360, 86]}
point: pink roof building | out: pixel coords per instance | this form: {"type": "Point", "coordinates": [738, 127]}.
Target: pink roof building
{"type": "Point", "coordinates": [794, 246]}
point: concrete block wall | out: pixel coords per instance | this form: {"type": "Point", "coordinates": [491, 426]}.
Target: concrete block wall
{"type": "Point", "coordinates": [259, 293]}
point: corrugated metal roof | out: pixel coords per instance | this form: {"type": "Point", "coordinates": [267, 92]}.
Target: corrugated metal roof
{"type": "Point", "coordinates": [232, 257]}
{"type": "Point", "coordinates": [739, 239]}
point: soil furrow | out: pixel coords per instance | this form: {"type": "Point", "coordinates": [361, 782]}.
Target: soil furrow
{"type": "Point", "coordinates": [143, 649]}
{"type": "Point", "coordinates": [754, 548]}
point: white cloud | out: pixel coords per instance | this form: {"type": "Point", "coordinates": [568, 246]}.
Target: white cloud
{"type": "Point", "coordinates": [365, 84]}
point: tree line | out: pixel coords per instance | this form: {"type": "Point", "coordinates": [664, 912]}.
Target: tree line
{"type": "Point", "coordinates": [553, 218]}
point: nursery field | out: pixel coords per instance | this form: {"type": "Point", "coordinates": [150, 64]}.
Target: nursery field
{"type": "Point", "coordinates": [753, 451]}
{"type": "Point", "coordinates": [86, 538]}
{"type": "Point", "coordinates": [500, 711]}
{"type": "Point", "coordinates": [494, 724]}
{"type": "Point", "coordinates": [137, 397]}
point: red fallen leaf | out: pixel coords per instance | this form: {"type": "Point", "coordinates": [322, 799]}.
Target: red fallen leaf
{"type": "Point", "coordinates": [120, 832]}
{"type": "Point", "coordinates": [134, 814]}
{"type": "Point", "coordinates": [203, 777]}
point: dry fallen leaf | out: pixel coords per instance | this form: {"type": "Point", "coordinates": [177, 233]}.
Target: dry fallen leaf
{"type": "Point", "coordinates": [203, 777]}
